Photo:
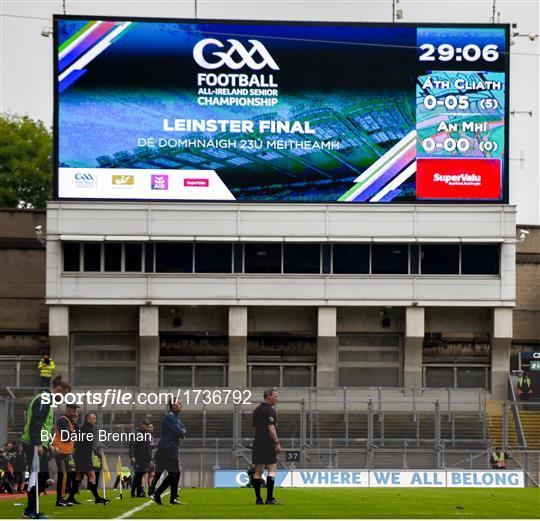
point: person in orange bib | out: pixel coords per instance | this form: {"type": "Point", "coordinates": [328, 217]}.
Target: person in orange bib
{"type": "Point", "coordinates": [63, 448]}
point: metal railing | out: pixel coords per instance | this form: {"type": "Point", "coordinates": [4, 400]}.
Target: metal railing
{"type": "Point", "coordinates": [515, 411]}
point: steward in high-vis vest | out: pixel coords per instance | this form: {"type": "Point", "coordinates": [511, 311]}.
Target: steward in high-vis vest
{"type": "Point", "coordinates": [63, 448]}
{"type": "Point", "coordinates": [524, 386]}
{"type": "Point", "coordinates": [39, 417]}
{"type": "Point", "coordinates": [46, 369]}
{"type": "Point", "coordinates": [498, 459]}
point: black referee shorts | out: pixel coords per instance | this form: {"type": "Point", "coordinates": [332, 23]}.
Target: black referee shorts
{"type": "Point", "coordinates": [264, 454]}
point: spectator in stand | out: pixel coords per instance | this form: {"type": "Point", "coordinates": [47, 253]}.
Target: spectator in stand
{"type": "Point", "coordinates": [524, 387]}
{"type": "Point", "coordinates": [8, 463]}
{"type": "Point", "coordinates": [19, 468]}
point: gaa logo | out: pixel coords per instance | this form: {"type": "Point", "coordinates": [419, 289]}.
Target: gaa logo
{"type": "Point", "coordinates": [247, 57]}
{"type": "Point", "coordinates": [84, 180]}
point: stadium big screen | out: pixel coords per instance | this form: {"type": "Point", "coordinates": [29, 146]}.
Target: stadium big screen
{"type": "Point", "coordinates": [159, 109]}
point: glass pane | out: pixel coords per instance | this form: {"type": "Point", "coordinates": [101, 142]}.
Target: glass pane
{"type": "Point", "coordinates": [480, 259]}
{"type": "Point", "coordinates": [297, 377]}
{"type": "Point", "coordinates": [390, 259]}
{"type": "Point", "coordinates": [105, 356]}
{"type": "Point", "coordinates": [174, 257]}
{"type": "Point", "coordinates": [177, 377]}
{"type": "Point", "coordinates": [369, 377]}
{"type": "Point", "coordinates": [368, 356]}
{"type": "Point", "coordinates": [439, 377]}
{"type": "Point", "coordinates": [471, 377]}
{"type": "Point", "coordinates": [262, 258]}
{"type": "Point", "coordinates": [92, 256]}
{"type": "Point", "coordinates": [326, 258]}
{"type": "Point", "coordinates": [238, 258]}
{"type": "Point", "coordinates": [149, 257]}
{"type": "Point", "coordinates": [351, 258]}
{"type": "Point", "coordinates": [414, 258]}
{"type": "Point", "coordinates": [209, 376]}
{"type": "Point", "coordinates": [213, 258]}
{"type": "Point", "coordinates": [440, 259]}
{"type": "Point", "coordinates": [302, 258]}
{"type": "Point", "coordinates": [105, 376]}
{"type": "Point", "coordinates": [72, 253]}
{"type": "Point", "coordinates": [264, 376]}
{"type": "Point", "coordinates": [133, 256]}
{"type": "Point", "coordinates": [113, 256]}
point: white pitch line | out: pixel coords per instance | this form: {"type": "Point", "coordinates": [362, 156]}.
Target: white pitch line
{"type": "Point", "coordinates": [129, 513]}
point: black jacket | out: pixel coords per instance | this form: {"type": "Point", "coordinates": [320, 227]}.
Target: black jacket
{"type": "Point", "coordinates": [141, 450]}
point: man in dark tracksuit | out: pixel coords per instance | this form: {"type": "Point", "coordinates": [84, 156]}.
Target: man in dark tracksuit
{"type": "Point", "coordinates": [140, 455]}
{"type": "Point", "coordinates": [39, 417]}
{"type": "Point", "coordinates": [167, 456]}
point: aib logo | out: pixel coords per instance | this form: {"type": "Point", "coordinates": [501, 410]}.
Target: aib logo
{"type": "Point", "coordinates": [159, 182]}
{"type": "Point", "coordinates": [255, 58]}
{"type": "Point", "coordinates": [123, 180]}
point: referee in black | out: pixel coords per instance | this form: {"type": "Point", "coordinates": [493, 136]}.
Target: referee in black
{"type": "Point", "coordinates": [265, 446]}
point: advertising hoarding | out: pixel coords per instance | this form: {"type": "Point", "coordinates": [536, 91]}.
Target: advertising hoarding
{"type": "Point", "coordinates": [160, 109]}
{"type": "Point", "coordinates": [351, 478]}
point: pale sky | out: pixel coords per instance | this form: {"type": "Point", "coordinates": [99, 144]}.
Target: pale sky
{"type": "Point", "coordinates": [26, 82]}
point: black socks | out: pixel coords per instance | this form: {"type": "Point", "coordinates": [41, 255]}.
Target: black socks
{"type": "Point", "coordinates": [270, 487]}
{"type": "Point", "coordinates": [93, 489]}
{"type": "Point", "coordinates": [257, 482]}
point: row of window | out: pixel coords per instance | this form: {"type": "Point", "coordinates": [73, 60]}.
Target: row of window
{"type": "Point", "coordinates": [287, 258]}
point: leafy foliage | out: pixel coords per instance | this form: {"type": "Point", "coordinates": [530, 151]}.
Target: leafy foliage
{"type": "Point", "coordinates": [25, 162]}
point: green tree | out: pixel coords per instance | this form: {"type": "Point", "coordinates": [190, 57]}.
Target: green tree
{"type": "Point", "coordinates": [25, 162]}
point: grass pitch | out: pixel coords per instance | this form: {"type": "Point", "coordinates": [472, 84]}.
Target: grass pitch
{"type": "Point", "coordinates": [322, 503]}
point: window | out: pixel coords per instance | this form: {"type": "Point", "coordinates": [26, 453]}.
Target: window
{"type": "Point", "coordinates": [174, 257]}
{"type": "Point", "coordinates": [440, 259]}
{"type": "Point", "coordinates": [104, 359]}
{"type": "Point", "coordinates": [351, 258]}
{"type": "Point", "coordinates": [262, 258]}
{"type": "Point", "coordinates": [302, 258]}
{"type": "Point", "coordinates": [213, 258]}
{"type": "Point", "coordinates": [133, 253]}
{"type": "Point", "coordinates": [238, 258]}
{"type": "Point", "coordinates": [113, 256]}
{"type": "Point", "coordinates": [480, 259]}
{"type": "Point", "coordinates": [149, 257]}
{"type": "Point", "coordinates": [92, 256]}
{"type": "Point", "coordinates": [72, 256]}
{"type": "Point", "coordinates": [327, 258]}
{"type": "Point", "coordinates": [369, 360]}
{"type": "Point", "coordinates": [390, 259]}
{"type": "Point", "coordinates": [415, 255]}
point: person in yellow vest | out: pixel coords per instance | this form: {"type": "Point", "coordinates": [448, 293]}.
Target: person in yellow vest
{"type": "Point", "coordinates": [46, 369]}
{"type": "Point", "coordinates": [498, 459]}
{"type": "Point", "coordinates": [63, 448]}
{"type": "Point", "coordinates": [39, 420]}
{"type": "Point", "coordinates": [524, 386]}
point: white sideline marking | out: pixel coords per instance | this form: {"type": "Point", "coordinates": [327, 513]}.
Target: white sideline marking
{"type": "Point", "coordinates": [129, 513]}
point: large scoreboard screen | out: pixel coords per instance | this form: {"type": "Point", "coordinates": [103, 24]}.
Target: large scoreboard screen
{"type": "Point", "coordinates": [207, 110]}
